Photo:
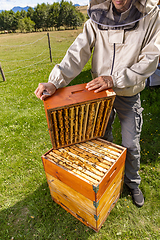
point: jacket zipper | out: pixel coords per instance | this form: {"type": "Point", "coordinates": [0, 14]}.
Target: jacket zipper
{"type": "Point", "coordinates": [114, 52]}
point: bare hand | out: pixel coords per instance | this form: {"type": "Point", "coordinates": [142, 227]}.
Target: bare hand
{"type": "Point", "coordinates": [49, 87]}
{"type": "Point", "coordinates": [100, 83]}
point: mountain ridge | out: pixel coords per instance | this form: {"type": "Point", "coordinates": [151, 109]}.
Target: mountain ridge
{"type": "Point", "coordinates": [17, 8]}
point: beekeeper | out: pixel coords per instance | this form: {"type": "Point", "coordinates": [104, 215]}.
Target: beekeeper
{"type": "Point", "coordinates": [124, 37]}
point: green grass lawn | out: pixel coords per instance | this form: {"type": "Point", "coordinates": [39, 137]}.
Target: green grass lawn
{"type": "Point", "coordinates": [26, 208]}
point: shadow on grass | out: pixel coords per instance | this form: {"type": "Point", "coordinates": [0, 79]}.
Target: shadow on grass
{"type": "Point", "coordinates": [38, 217]}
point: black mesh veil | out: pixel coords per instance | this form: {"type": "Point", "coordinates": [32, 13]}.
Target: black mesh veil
{"type": "Point", "coordinates": [106, 16]}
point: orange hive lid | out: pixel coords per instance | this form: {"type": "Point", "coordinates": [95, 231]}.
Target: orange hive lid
{"type": "Point", "coordinates": [75, 114]}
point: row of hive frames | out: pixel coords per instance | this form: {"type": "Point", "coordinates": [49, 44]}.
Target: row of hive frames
{"type": "Point", "coordinates": [81, 122]}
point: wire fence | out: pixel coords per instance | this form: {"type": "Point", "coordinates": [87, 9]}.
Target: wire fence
{"type": "Point", "coordinates": [23, 45]}
{"type": "Point", "coordinates": [34, 52]}
{"type": "Point", "coordinates": [27, 66]}
{"type": "Point", "coordinates": [33, 59]}
{"type": "Point", "coordinates": [22, 60]}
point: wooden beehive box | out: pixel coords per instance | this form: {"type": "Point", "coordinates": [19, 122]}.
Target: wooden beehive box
{"type": "Point", "coordinates": [84, 172]}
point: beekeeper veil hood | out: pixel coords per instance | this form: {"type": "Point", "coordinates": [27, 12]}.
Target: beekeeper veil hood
{"type": "Point", "coordinates": [104, 13]}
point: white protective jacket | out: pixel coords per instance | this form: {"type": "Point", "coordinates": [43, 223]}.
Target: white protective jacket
{"type": "Point", "coordinates": [126, 48]}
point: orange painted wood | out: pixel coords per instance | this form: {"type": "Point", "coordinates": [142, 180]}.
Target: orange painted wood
{"type": "Point", "coordinates": [108, 207]}
{"type": "Point", "coordinates": [72, 200]}
{"type": "Point", "coordinates": [104, 184]}
{"type": "Point", "coordinates": [80, 184]}
{"type": "Point", "coordinates": [70, 194]}
{"type": "Point", "coordinates": [77, 216]}
{"type": "Point", "coordinates": [86, 183]}
{"type": "Point", "coordinates": [75, 193]}
{"type": "Point", "coordinates": [69, 179]}
{"type": "Point", "coordinates": [74, 94]}
{"type": "Point", "coordinates": [118, 180]}
{"type": "Point", "coordinates": [70, 97]}
{"type": "Point", "coordinates": [83, 208]}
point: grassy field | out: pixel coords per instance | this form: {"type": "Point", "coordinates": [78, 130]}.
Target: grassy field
{"type": "Point", "coordinates": [26, 208]}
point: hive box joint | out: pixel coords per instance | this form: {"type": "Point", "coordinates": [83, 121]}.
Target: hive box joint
{"type": "Point", "coordinates": [95, 188]}
{"type": "Point", "coordinates": [96, 217]}
{"type": "Point", "coordinates": [95, 204]}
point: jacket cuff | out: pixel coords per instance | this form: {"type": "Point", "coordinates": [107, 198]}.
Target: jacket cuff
{"type": "Point", "coordinates": [118, 81]}
{"type": "Point", "coordinates": [56, 77]}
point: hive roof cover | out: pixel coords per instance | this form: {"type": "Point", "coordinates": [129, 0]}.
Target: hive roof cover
{"type": "Point", "coordinates": [75, 114]}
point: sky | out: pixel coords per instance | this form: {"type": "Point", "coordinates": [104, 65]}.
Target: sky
{"type": "Point", "coordinates": [9, 4]}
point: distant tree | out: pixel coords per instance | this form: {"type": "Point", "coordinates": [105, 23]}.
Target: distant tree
{"type": "Point", "coordinates": [43, 16]}
{"type": "Point", "coordinates": [30, 13]}
{"type": "Point", "coordinates": [21, 25]}
{"type": "Point", "coordinates": [26, 24]}
{"type": "Point", "coordinates": [61, 14]}
{"type": "Point", "coordinates": [81, 15]}
{"type": "Point", "coordinates": [7, 19]}
{"type": "Point", "coordinates": [16, 18]}
{"type": "Point", "coordinates": [69, 16]}
{"type": "Point", "coordinates": [29, 24]}
{"type": "Point", "coordinates": [2, 21]}
{"type": "Point", "coordinates": [40, 16]}
{"type": "Point", "coordinates": [11, 22]}
{"type": "Point", "coordinates": [53, 16]}
{"type": "Point", "coordinates": [23, 13]}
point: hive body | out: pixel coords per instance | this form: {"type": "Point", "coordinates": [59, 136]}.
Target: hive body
{"type": "Point", "coordinates": [84, 172]}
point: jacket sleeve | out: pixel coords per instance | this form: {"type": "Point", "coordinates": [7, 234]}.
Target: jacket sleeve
{"type": "Point", "coordinates": [146, 64]}
{"type": "Point", "coordinates": [75, 59]}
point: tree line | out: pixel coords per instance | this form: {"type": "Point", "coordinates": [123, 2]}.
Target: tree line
{"type": "Point", "coordinates": [42, 17]}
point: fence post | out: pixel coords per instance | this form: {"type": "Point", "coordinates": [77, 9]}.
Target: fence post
{"type": "Point", "coordinates": [2, 73]}
{"type": "Point", "coordinates": [49, 47]}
